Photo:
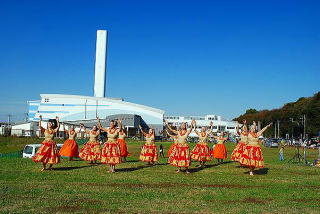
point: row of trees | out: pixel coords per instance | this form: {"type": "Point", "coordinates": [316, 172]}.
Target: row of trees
{"type": "Point", "coordinates": [308, 106]}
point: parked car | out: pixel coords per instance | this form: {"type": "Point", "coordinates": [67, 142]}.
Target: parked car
{"type": "Point", "coordinates": [272, 143]}
{"type": "Point", "coordinates": [30, 150]}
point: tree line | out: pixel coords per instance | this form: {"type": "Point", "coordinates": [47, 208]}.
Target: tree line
{"type": "Point", "coordinates": [290, 117]}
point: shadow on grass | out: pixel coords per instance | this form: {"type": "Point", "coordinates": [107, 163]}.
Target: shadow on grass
{"type": "Point", "coordinates": [262, 171]}
{"type": "Point", "coordinates": [75, 160]}
{"type": "Point", "coordinates": [131, 161]}
{"type": "Point", "coordinates": [207, 166]}
{"type": "Point", "coordinates": [226, 162]}
{"type": "Point", "coordinates": [138, 167]}
{"type": "Point", "coordinates": [71, 168]}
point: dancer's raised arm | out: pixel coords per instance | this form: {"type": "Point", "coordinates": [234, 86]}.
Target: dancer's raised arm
{"type": "Point", "coordinates": [40, 125]}
{"type": "Point", "coordinates": [172, 136]}
{"type": "Point", "coordinates": [100, 126]}
{"type": "Point", "coordinates": [254, 125]}
{"type": "Point", "coordinates": [144, 133]}
{"type": "Point", "coordinates": [195, 130]}
{"type": "Point", "coordinates": [192, 127]}
{"type": "Point", "coordinates": [211, 128]}
{"type": "Point", "coordinates": [58, 125]}
{"type": "Point", "coordinates": [77, 132]}
{"type": "Point", "coordinates": [170, 128]}
{"type": "Point", "coordinates": [259, 133]}
{"type": "Point", "coordinates": [120, 126]}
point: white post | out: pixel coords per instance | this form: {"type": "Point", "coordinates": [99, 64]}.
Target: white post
{"type": "Point", "coordinates": [100, 64]}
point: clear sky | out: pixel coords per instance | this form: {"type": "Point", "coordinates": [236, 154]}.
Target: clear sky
{"type": "Point", "coordinates": [185, 57]}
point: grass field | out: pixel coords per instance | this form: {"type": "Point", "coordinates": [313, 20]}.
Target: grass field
{"type": "Point", "coordinates": [136, 188]}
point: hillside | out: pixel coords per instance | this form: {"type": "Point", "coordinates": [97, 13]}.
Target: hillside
{"type": "Point", "coordinates": [310, 106]}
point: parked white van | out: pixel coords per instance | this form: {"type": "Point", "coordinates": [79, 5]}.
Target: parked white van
{"type": "Point", "coordinates": [30, 150]}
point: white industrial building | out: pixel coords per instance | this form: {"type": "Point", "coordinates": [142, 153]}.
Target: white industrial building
{"type": "Point", "coordinates": [219, 124]}
{"type": "Point", "coordinates": [24, 129]}
{"type": "Point", "coordinates": [75, 108]}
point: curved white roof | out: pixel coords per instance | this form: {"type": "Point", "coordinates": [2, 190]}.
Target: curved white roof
{"type": "Point", "coordinates": [102, 99]}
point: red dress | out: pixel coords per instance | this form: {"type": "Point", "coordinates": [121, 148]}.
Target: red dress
{"type": "Point", "coordinates": [48, 153]}
{"type": "Point", "coordinates": [171, 149]}
{"type": "Point", "coordinates": [180, 156]}
{"type": "Point", "coordinates": [149, 150]}
{"type": "Point", "coordinates": [201, 152]}
{"type": "Point", "coordinates": [91, 150]}
{"type": "Point", "coordinates": [111, 150]}
{"type": "Point", "coordinates": [70, 146]}
{"type": "Point", "coordinates": [238, 150]}
{"type": "Point", "coordinates": [252, 154]}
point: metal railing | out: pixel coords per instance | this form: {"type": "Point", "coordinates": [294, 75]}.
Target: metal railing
{"type": "Point", "coordinates": [17, 154]}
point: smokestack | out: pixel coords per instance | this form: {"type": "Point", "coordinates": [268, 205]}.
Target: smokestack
{"type": "Point", "coordinates": [100, 64]}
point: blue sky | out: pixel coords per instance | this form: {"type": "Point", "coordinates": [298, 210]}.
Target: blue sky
{"type": "Point", "coordinates": [185, 57]}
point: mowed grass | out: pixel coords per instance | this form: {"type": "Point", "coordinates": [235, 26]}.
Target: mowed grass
{"type": "Point", "coordinates": [79, 187]}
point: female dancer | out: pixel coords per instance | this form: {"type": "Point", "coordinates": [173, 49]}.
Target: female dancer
{"type": "Point", "coordinates": [91, 150]}
{"type": "Point", "coordinates": [123, 144]}
{"type": "Point", "coordinates": [237, 152]}
{"type": "Point", "coordinates": [201, 152]}
{"type": "Point", "coordinates": [149, 150]}
{"type": "Point", "coordinates": [173, 146]}
{"type": "Point", "coordinates": [48, 153]}
{"type": "Point", "coordinates": [252, 154]}
{"type": "Point", "coordinates": [111, 150]}
{"type": "Point", "coordinates": [180, 157]}
{"type": "Point", "coordinates": [220, 150]}
{"type": "Point", "coordinates": [70, 146]}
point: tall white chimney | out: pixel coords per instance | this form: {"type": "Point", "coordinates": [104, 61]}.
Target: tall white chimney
{"type": "Point", "coordinates": [100, 64]}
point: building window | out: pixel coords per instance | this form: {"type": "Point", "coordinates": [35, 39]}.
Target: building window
{"type": "Point", "coordinates": [46, 100]}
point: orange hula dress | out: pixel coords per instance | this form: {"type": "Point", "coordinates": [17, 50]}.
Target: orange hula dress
{"type": "Point", "coordinates": [111, 150]}
{"type": "Point", "coordinates": [201, 152]}
{"type": "Point", "coordinates": [149, 150]}
{"type": "Point", "coordinates": [220, 150]}
{"type": "Point", "coordinates": [70, 146]}
{"type": "Point", "coordinates": [91, 150]}
{"type": "Point", "coordinates": [252, 154]}
{"type": "Point", "coordinates": [180, 156]}
{"type": "Point", "coordinates": [238, 150]}
{"type": "Point", "coordinates": [48, 153]}
{"type": "Point", "coordinates": [123, 145]}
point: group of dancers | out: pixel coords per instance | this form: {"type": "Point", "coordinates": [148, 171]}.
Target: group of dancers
{"type": "Point", "coordinates": [247, 152]}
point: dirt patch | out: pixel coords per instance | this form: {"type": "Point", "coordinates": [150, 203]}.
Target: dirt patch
{"type": "Point", "coordinates": [92, 184]}
{"type": "Point", "coordinates": [305, 187]}
{"type": "Point", "coordinates": [249, 200]}
{"type": "Point", "coordinates": [306, 200]}
{"type": "Point", "coordinates": [66, 208]}
{"type": "Point", "coordinates": [87, 201]}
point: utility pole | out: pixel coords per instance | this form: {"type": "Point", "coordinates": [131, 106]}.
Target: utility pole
{"type": "Point", "coordinates": [292, 121]}
{"type": "Point", "coordinates": [26, 117]}
{"type": "Point", "coordinates": [278, 123]}
{"type": "Point", "coordinates": [304, 126]}
{"type": "Point", "coordinates": [259, 125]}
{"type": "Point", "coordinates": [303, 120]}
{"type": "Point", "coordinates": [275, 131]}
{"type": "Point", "coordinates": [9, 119]}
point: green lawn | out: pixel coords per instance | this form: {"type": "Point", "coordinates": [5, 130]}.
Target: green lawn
{"type": "Point", "coordinates": [136, 188]}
